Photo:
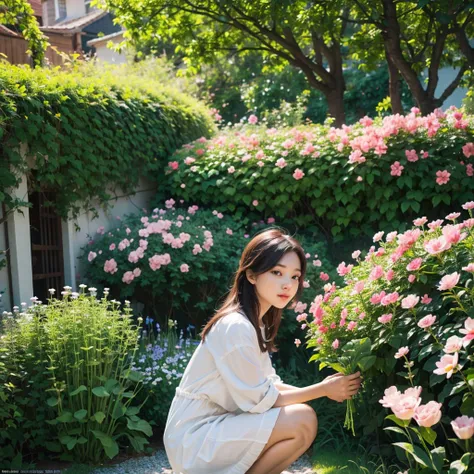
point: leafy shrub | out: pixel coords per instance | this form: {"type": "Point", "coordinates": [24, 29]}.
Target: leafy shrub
{"type": "Point", "coordinates": [90, 130]}
{"type": "Point", "coordinates": [68, 384]}
{"type": "Point", "coordinates": [347, 182]}
{"type": "Point", "coordinates": [411, 303]}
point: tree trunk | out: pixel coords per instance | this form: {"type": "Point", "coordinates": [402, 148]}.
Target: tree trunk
{"type": "Point", "coordinates": [395, 87]}
{"type": "Point", "coordinates": [335, 100]}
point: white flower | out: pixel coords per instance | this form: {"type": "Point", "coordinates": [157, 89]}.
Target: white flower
{"type": "Point", "coordinates": [68, 288]}
{"type": "Point", "coordinates": [82, 285]}
{"type": "Point", "coordinates": [52, 291]}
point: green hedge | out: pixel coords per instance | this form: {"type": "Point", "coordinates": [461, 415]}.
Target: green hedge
{"type": "Point", "coordinates": [90, 128]}
{"type": "Point", "coordinates": [344, 199]}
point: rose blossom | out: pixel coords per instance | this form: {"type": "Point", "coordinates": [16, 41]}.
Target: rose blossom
{"type": "Point", "coordinates": [410, 301]}
{"type": "Point", "coordinates": [449, 281]}
{"type": "Point", "coordinates": [110, 266]}
{"type": "Point", "coordinates": [298, 174]}
{"type": "Point", "coordinates": [427, 321]}
{"type": "Point", "coordinates": [414, 264]}
{"type": "Point", "coordinates": [428, 415]}
{"type": "Point", "coordinates": [463, 426]}
{"type": "Point", "coordinates": [403, 351]}
{"type": "Point", "coordinates": [385, 318]}
{"type": "Point", "coordinates": [453, 344]}
{"type": "Point", "coordinates": [468, 331]}
{"type": "Point", "coordinates": [447, 365]}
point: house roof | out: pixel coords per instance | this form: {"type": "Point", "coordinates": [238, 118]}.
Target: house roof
{"type": "Point", "coordinates": [7, 32]}
{"type": "Point", "coordinates": [75, 25]}
{"type": "Point", "coordinates": [96, 41]}
{"type": "Point", "coordinates": [36, 4]}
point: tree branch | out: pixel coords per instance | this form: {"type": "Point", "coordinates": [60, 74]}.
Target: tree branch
{"type": "Point", "coordinates": [452, 87]}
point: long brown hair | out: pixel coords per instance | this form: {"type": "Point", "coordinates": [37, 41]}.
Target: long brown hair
{"type": "Point", "coordinates": [260, 255]}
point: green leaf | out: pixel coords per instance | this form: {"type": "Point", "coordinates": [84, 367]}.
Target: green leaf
{"type": "Point", "coordinates": [140, 425]}
{"type": "Point", "coordinates": [80, 414]}
{"type": "Point", "coordinates": [80, 389]}
{"type": "Point", "coordinates": [402, 423]}
{"type": "Point", "coordinates": [428, 434]}
{"type": "Point", "coordinates": [100, 392]}
{"type": "Point", "coordinates": [99, 417]}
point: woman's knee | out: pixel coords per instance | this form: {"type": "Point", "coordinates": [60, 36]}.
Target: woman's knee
{"type": "Point", "coordinates": [309, 423]}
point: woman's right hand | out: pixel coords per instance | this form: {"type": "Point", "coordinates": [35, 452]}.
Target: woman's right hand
{"type": "Point", "coordinates": [341, 387]}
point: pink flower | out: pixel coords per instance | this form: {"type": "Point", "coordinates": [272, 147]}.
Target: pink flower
{"type": "Point", "coordinates": [411, 278]}
{"type": "Point", "coordinates": [101, 230]}
{"type": "Point", "coordinates": [376, 298]}
{"type": "Point", "coordinates": [301, 317]}
{"type": "Point", "coordinates": [414, 264]}
{"type": "Point", "coordinates": [297, 342]}
{"type": "Point", "coordinates": [468, 205]}
{"type": "Point", "coordinates": [447, 365]}
{"type": "Point", "coordinates": [411, 155]}
{"type": "Point", "coordinates": [112, 247]}
{"type": "Point", "coordinates": [449, 281]}
{"type": "Point", "coordinates": [389, 275]}
{"type": "Point", "coordinates": [385, 318]}
{"type": "Point", "coordinates": [270, 220]}
{"type": "Point", "coordinates": [428, 415]}
{"type": "Point", "coordinates": [281, 163]}
{"type": "Point", "coordinates": [378, 236]}
{"type": "Point", "coordinates": [442, 177]}
{"type": "Point", "coordinates": [128, 277]}
{"type": "Point", "coordinates": [110, 266]}
{"type": "Point", "coordinates": [420, 221]}
{"type": "Point", "coordinates": [436, 246]}
{"type": "Point", "coordinates": [253, 119]}
{"type": "Point", "coordinates": [91, 256]}
{"type": "Point", "coordinates": [452, 233]}
{"type": "Point", "coordinates": [342, 269]}
{"type": "Point", "coordinates": [229, 231]}
{"type": "Point", "coordinates": [324, 276]}
{"type": "Point", "coordinates": [317, 263]}
{"type": "Point", "coordinates": [403, 351]}
{"type": "Point", "coordinates": [189, 160]}
{"type": "Point", "coordinates": [469, 330]}
{"type": "Point", "coordinates": [137, 272]}
{"type": "Point", "coordinates": [170, 203]}
{"type": "Point", "coordinates": [255, 203]}
{"type": "Point", "coordinates": [410, 301]}
{"type": "Point", "coordinates": [351, 326]}
{"type": "Point", "coordinates": [463, 426]}
{"type": "Point", "coordinates": [356, 157]}
{"type": "Point", "coordinates": [389, 299]}
{"type": "Point", "coordinates": [468, 149]}
{"type": "Point", "coordinates": [358, 287]}
{"type": "Point", "coordinates": [396, 169]}
{"type": "Point", "coordinates": [469, 268]}
{"type": "Point", "coordinates": [231, 169]}
{"type": "Point", "coordinates": [376, 273]}
{"type": "Point", "coordinates": [427, 321]}
{"type": "Point", "coordinates": [306, 284]}
{"type": "Point", "coordinates": [133, 257]}
{"type": "Point", "coordinates": [405, 407]}
{"type": "Point", "coordinates": [174, 165]}
{"type": "Point", "coordinates": [356, 254]}
{"type": "Point", "coordinates": [391, 236]}
{"type": "Point", "coordinates": [335, 344]}
{"type": "Point", "coordinates": [298, 174]}
{"type": "Point", "coordinates": [453, 344]}
{"type": "Point", "coordinates": [184, 268]}
{"type": "Point", "coordinates": [391, 396]}
{"type": "Point", "coordinates": [425, 299]}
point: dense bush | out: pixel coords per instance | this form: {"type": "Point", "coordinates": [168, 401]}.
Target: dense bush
{"type": "Point", "coordinates": [90, 131]}
{"type": "Point", "coordinates": [405, 317]}
{"type": "Point", "coordinates": [349, 181]}
{"type": "Point", "coordinates": [67, 383]}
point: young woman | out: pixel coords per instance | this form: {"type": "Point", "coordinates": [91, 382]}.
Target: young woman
{"type": "Point", "coordinates": [231, 413]}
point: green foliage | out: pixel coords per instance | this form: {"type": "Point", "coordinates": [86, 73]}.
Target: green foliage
{"type": "Point", "coordinates": [67, 383]}
{"type": "Point", "coordinates": [90, 131]}
{"type": "Point", "coordinates": [19, 14]}
{"type": "Point", "coordinates": [238, 171]}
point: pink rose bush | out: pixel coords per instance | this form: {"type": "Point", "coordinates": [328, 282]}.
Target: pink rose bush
{"type": "Point", "coordinates": [170, 257]}
{"type": "Point", "coordinates": [421, 333]}
{"type": "Point", "coordinates": [396, 165]}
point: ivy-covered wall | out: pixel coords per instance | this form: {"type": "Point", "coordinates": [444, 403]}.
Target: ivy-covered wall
{"type": "Point", "coordinates": [90, 130]}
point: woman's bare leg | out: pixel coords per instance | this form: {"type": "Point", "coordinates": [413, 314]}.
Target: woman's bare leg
{"type": "Point", "coordinates": [294, 432]}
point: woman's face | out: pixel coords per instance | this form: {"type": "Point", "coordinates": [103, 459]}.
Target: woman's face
{"type": "Point", "coordinates": [277, 286]}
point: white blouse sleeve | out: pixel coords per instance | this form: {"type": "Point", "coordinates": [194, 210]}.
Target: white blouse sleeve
{"type": "Point", "coordinates": [271, 373]}
{"type": "Point", "coordinates": [234, 346]}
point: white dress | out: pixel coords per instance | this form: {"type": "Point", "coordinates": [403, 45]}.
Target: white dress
{"type": "Point", "coordinates": [221, 416]}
